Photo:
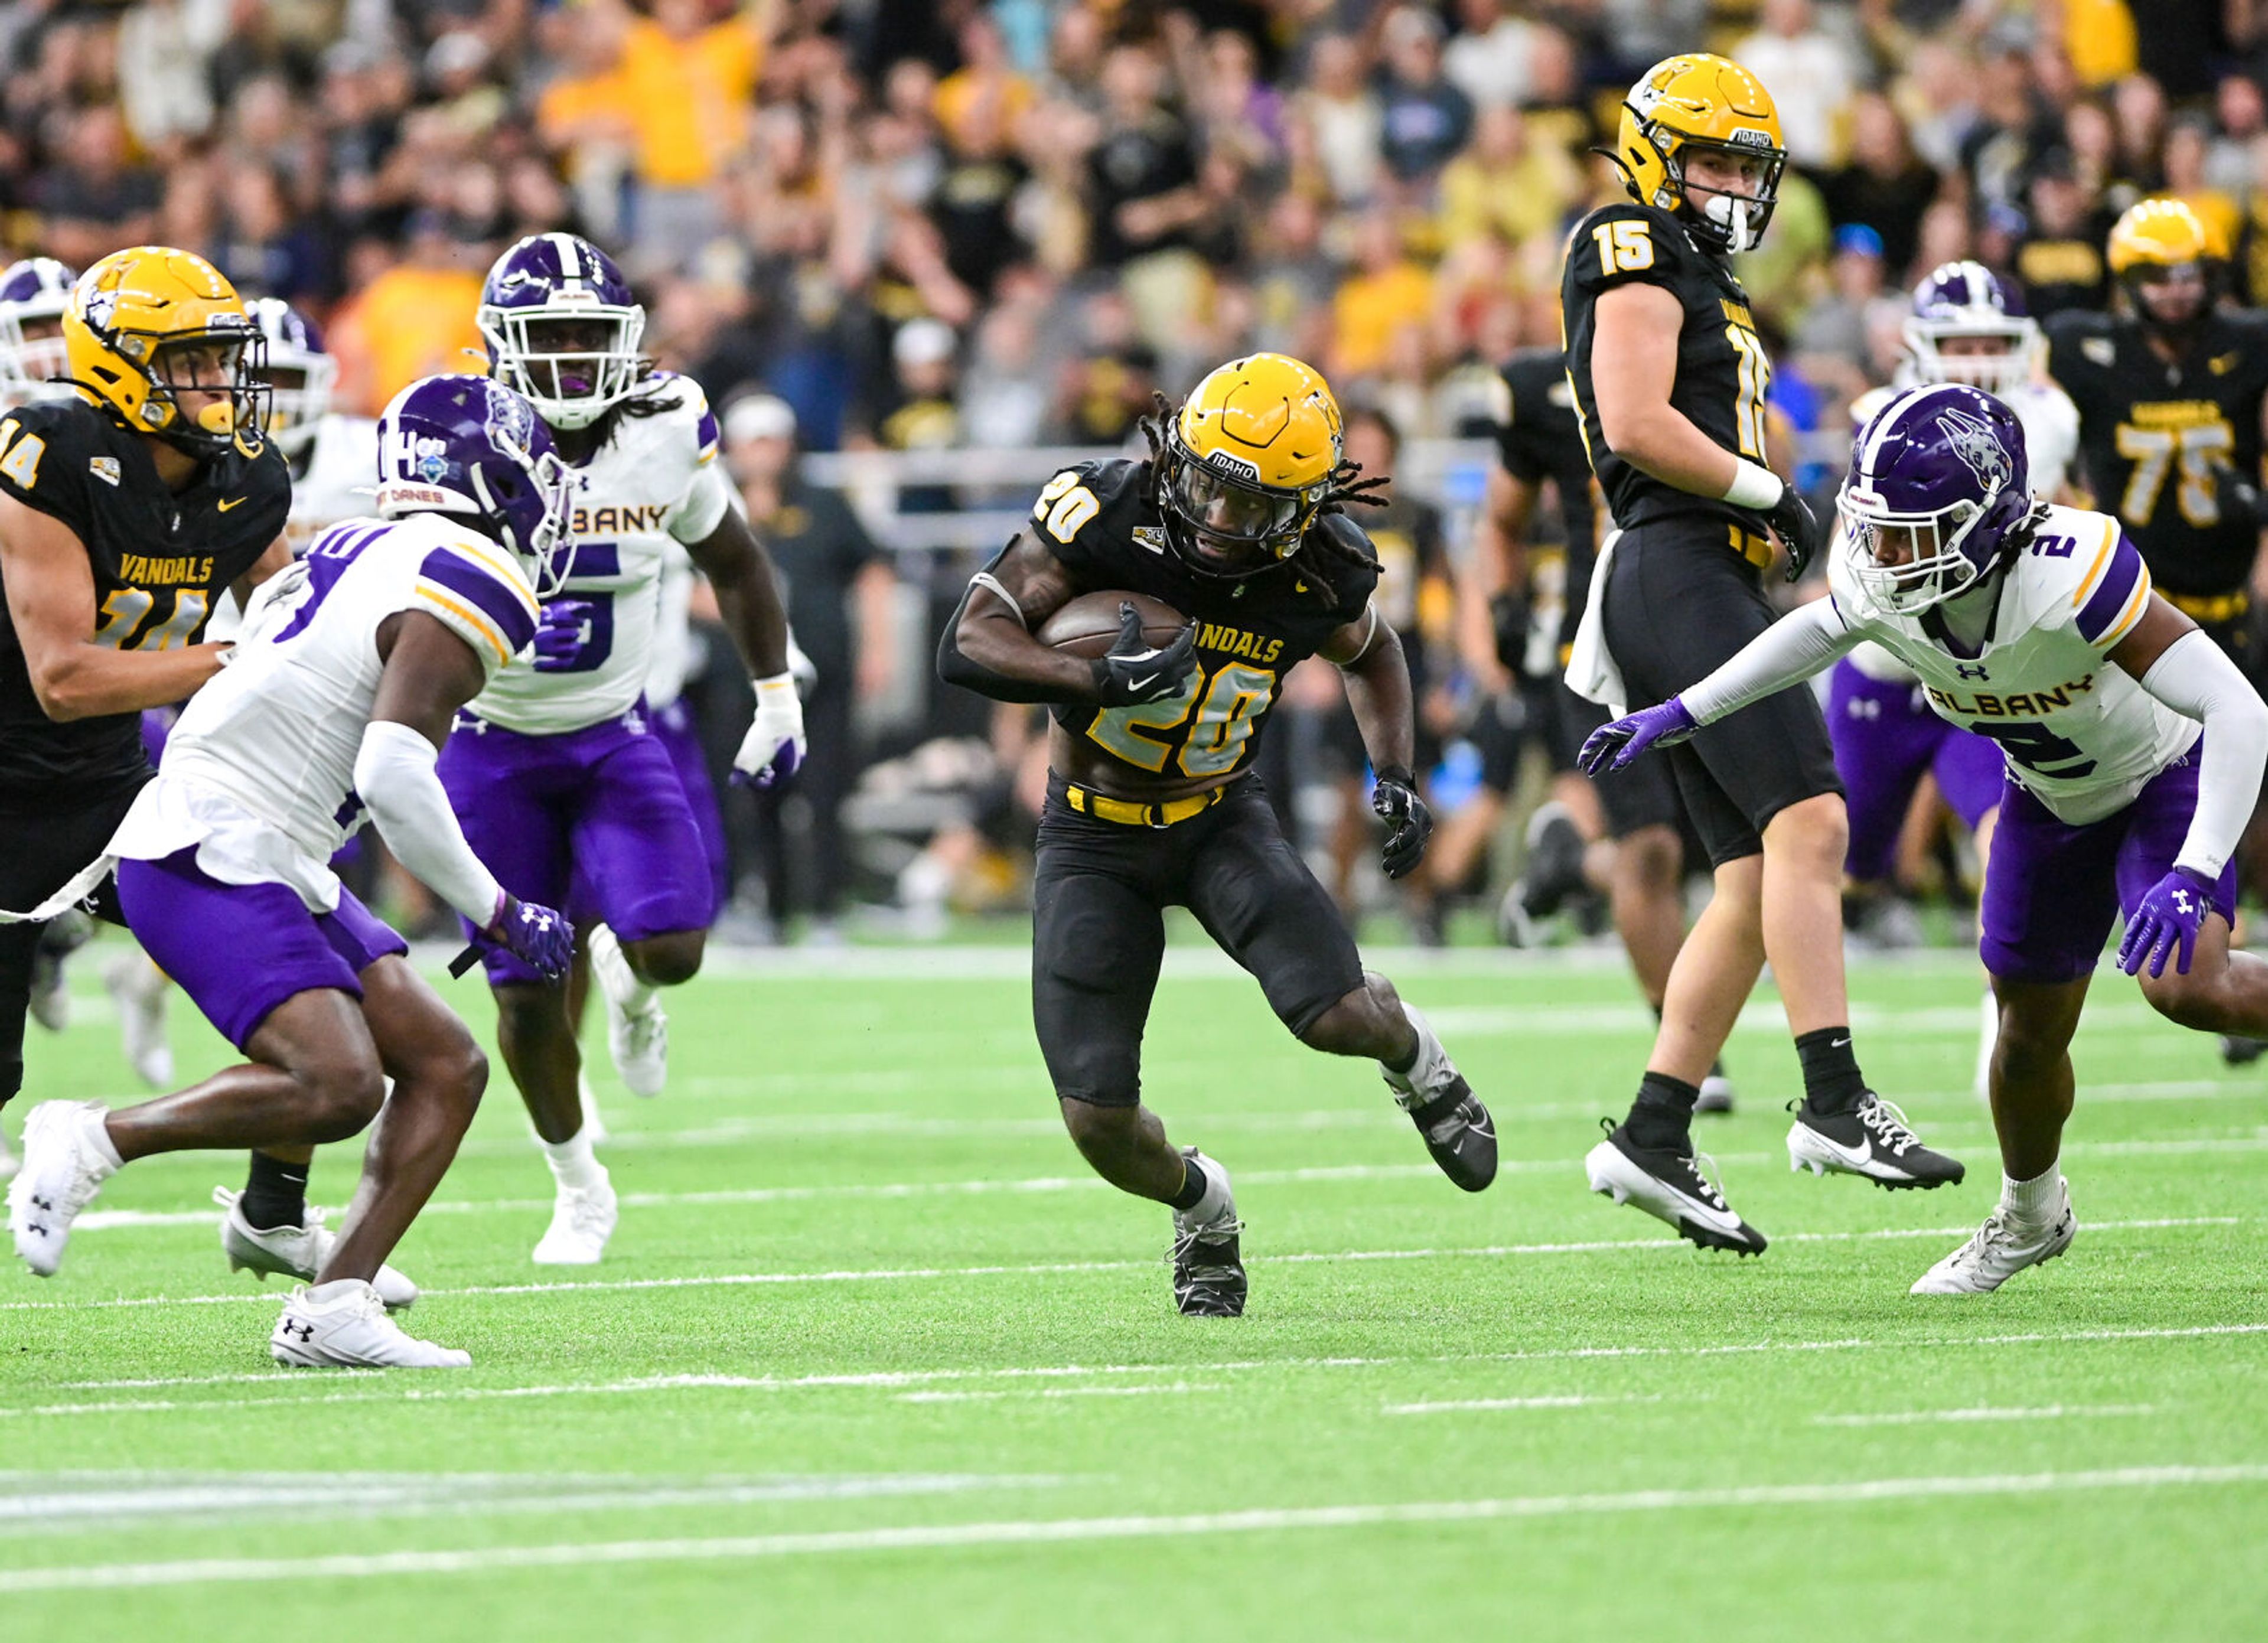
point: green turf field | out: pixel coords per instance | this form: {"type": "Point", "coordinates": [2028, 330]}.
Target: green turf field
{"type": "Point", "coordinates": [872, 1356]}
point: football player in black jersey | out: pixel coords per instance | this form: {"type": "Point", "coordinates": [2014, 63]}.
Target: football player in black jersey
{"type": "Point", "coordinates": [2172, 393]}
{"type": "Point", "coordinates": [1236, 522]}
{"type": "Point", "coordinates": [125, 512]}
{"type": "Point", "coordinates": [1670, 379]}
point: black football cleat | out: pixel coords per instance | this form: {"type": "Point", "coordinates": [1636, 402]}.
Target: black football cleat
{"type": "Point", "coordinates": [2241, 1052]}
{"type": "Point", "coordinates": [1459, 1134]}
{"type": "Point", "coordinates": [1555, 861]}
{"type": "Point", "coordinates": [1208, 1267]}
{"type": "Point", "coordinates": [1669, 1186]}
{"type": "Point", "coordinates": [1872, 1141]}
{"type": "Point", "coordinates": [1716, 1094]}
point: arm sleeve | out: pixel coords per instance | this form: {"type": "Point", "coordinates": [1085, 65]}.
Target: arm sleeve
{"type": "Point", "coordinates": [957, 668]}
{"type": "Point", "coordinates": [1793, 648]}
{"type": "Point", "coordinates": [2195, 677]}
{"type": "Point", "coordinates": [394, 776]}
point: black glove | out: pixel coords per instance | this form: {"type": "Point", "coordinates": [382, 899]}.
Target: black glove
{"type": "Point", "coordinates": [1508, 617]}
{"type": "Point", "coordinates": [1797, 527]}
{"type": "Point", "coordinates": [1136, 671]}
{"type": "Point", "coordinates": [1396, 802]}
{"type": "Point", "coordinates": [2236, 497]}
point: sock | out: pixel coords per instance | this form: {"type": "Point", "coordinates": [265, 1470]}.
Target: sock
{"type": "Point", "coordinates": [1832, 1082]}
{"type": "Point", "coordinates": [274, 1193]}
{"type": "Point", "coordinates": [1428, 1072]}
{"type": "Point", "coordinates": [2033, 1203]}
{"type": "Point", "coordinates": [1205, 1192]}
{"type": "Point", "coordinates": [1194, 1180]}
{"type": "Point", "coordinates": [1661, 1117]}
{"type": "Point", "coordinates": [573, 1163]}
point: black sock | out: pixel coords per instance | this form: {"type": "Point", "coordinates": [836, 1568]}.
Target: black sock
{"type": "Point", "coordinates": [1661, 1117]}
{"type": "Point", "coordinates": [1193, 1185]}
{"type": "Point", "coordinates": [1832, 1082]}
{"type": "Point", "coordinates": [274, 1193]}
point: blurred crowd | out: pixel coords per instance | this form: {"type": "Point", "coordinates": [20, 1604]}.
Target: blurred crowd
{"type": "Point", "coordinates": [925, 224]}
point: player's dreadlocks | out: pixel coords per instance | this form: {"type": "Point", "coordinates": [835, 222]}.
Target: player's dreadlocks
{"type": "Point", "coordinates": [1345, 487]}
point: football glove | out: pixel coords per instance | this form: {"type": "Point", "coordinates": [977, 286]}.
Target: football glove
{"type": "Point", "coordinates": [543, 940]}
{"type": "Point", "coordinates": [1136, 671]}
{"type": "Point", "coordinates": [562, 632]}
{"type": "Point", "coordinates": [1508, 620]}
{"type": "Point", "coordinates": [1396, 801]}
{"type": "Point", "coordinates": [1611, 747]}
{"type": "Point", "coordinates": [774, 748]}
{"type": "Point", "coordinates": [2236, 498]}
{"type": "Point", "coordinates": [2167, 923]}
{"type": "Point", "coordinates": [1797, 527]}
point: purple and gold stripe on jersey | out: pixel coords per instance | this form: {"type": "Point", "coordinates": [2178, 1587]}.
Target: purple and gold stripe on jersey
{"type": "Point", "coordinates": [477, 602]}
{"type": "Point", "coordinates": [705, 431]}
{"type": "Point", "coordinates": [2116, 591]}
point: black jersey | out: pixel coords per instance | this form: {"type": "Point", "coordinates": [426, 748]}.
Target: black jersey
{"type": "Point", "coordinates": [159, 561]}
{"type": "Point", "coordinates": [1100, 522]}
{"type": "Point", "coordinates": [1722, 372]}
{"type": "Point", "coordinates": [2152, 436]}
{"type": "Point", "coordinates": [1539, 436]}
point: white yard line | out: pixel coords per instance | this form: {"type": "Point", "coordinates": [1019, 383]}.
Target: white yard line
{"type": "Point", "coordinates": [1460, 1405]}
{"type": "Point", "coordinates": [1169, 1390]}
{"type": "Point", "coordinates": [1041, 1531]}
{"type": "Point", "coordinates": [1927, 1417]}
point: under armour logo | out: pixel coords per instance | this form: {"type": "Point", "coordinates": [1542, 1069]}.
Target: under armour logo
{"type": "Point", "coordinates": [1963, 671]}
{"type": "Point", "coordinates": [2181, 903]}
{"type": "Point", "coordinates": [304, 1331]}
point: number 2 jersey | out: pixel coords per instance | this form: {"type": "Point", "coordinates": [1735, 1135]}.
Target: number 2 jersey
{"type": "Point", "coordinates": [655, 483]}
{"type": "Point", "coordinates": [161, 560]}
{"type": "Point", "coordinates": [2153, 436]}
{"type": "Point", "coordinates": [1099, 521]}
{"type": "Point", "coordinates": [259, 772]}
{"type": "Point", "coordinates": [2074, 728]}
{"type": "Point", "coordinates": [1723, 373]}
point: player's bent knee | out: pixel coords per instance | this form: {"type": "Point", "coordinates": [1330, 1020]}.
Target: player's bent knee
{"type": "Point", "coordinates": [1817, 829]}
{"type": "Point", "coordinates": [343, 1094]}
{"type": "Point", "coordinates": [1368, 1021]}
{"type": "Point", "coordinates": [1649, 861]}
{"type": "Point", "coordinates": [666, 960]}
{"type": "Point", "coordinates": [2188, 999]}
{"type": "Point", "coordinates": [1102, 1131]}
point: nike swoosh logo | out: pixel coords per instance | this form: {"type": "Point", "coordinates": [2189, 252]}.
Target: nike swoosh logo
{"type": "Point", "coordinates": [1836, 1044]}
{"type": "Point", "coordinates": [1144, 683]}
{"type": "Point", "coordinates": [1858, 1155]}
{"type": "Point", "coordinates": [230, 503]}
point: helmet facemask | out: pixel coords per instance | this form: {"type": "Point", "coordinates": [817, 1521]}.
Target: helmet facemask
{"type": "Point", "coordinates": [1732, 222]}
{"type": "Point", "coordinates": [2192, 278]}
{"type": "Point", "coordinates": [1224, 526]}
{"type": "Point", "coordinates": [32, 357]}
{"type": "Point", "coordinates": [1932, 568]}
{"type": "Point", "coordinates": [573, 361]}
{"type": "Point", "coordinates": [223, 359]}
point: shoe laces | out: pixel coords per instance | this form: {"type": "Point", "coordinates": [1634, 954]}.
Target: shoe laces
{"type": "Point", "coordinates": [1213, 1232]}
{"type": "Point", "coordinates": [1888, 1121]}
{"type": "Point", "coordinates": [1705, 1172]}
{"type": "Point", "coordinates": [585, 1209]}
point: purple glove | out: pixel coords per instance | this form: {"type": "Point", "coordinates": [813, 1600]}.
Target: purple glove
{"type": "Point", "coordinates": [2166, 923]}
{"type": "Point", "coordinates": [561, 634]}
{"type": "Point", "coordinates": [538, 937]}
{"type": "Point", "coordinates": [1611, 747]}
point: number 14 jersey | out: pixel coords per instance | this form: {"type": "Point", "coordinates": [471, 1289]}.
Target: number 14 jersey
{"type": "Point", "coordinates": [2074, 728]}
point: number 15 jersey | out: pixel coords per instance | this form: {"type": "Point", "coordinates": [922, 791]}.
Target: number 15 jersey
{"type": "Point", "coordinates": [2076, 731]}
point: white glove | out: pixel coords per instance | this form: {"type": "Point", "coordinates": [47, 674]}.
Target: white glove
{"type": "Point", "coordinates": [773, 749]}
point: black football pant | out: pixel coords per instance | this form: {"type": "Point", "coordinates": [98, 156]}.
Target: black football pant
{"type": "Point", "coordinates": [40, 852]}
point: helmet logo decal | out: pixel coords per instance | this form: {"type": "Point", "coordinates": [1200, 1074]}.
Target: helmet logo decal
{"type": "Point", "coordinates": [1973, 442]}
{"type": "Point", "coordinates": [432, 464]}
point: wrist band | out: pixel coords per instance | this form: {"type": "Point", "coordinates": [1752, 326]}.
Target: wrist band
{"type": "Point", "coordinates": [1754, 487]}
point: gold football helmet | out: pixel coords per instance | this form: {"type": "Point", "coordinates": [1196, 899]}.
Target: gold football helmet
{"type": "Point", "coordinates": [1246, 463]}
{"type": "Point", "coordinates": [147, 324]}
{"type": "Point", "coordinates": [1695, 102]}
{"type": "Point", "coordinates": [2164, 246]}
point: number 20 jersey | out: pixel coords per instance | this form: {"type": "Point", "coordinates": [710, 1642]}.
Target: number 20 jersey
{"type": "Point", "coordinates": [1100, 522]}
{"type": "Point", "coordinates": [656, 481]}
{"type": "Point", "coordinates": [2073, 727]}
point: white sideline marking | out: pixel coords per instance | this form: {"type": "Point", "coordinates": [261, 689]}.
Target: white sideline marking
{"type": "Point", "coordinates": [1458, 1405]}
{"type": "Point", "coordinates": [730, 1280]}
{"type": "Point", "coordinates": [1848, 1491]}
{"type": "Point", "coordinates": [1062, 1391]}
{"type": "Point", "coordinates": [1923, 1417]}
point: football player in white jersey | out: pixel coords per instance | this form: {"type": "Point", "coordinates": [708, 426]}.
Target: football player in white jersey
{"type": "Point", "coordinates": [349, 671]}
{"type": "Point", "coordinates": [1965, 326]}
{"type": "Point", "coordinates": [2035, 626]}
{"type": "Point", "coordinates": [555, 773]}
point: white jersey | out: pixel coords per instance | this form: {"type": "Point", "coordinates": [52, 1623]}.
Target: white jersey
{"type": "Point", "coordinates": [2075, 729]}
{"type": "Point", "coordinates": [2050, 424]}
{"type": "Point", "coordinates": [342, 474]}
{"type": "Point", "coordinates": [654, 484]}
{"type": "Point", "coordinates": [259, 772]}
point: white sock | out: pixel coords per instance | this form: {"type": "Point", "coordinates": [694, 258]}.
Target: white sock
{"type": "Point", "coordinates": [1432, 1067]}
{"type": "Point", "coordinates": [617, 978]}
{"type": "Point", "coordinates": [573, 1163]}
{"type": "Point", "coordinates": [2035, 1202]}
{"type": "Point", "coordinates": [1216, 1196]}
{"type": "Point", "coordinates": [99, 1135]}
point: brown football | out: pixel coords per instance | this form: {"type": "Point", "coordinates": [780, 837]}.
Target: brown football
{"type": "Point", "coordinates": [1088, 626]}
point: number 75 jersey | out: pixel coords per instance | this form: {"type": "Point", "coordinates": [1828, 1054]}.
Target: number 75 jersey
{"type": "Point", "coordinates": [1099, 521]}
{"type": "Point", "coordinates": [2074, 728]}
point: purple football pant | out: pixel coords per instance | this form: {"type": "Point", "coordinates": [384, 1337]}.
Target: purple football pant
{"type": "Point", "coordinates": [673, 728]}
{"type": "Point", "coordinates": [239, 950]}
{"type": "Point", "coordinates": [597, 813]}
{"type": "Point", "coordinates": [2053, 890]}
{"type": "Point", "coordinates": [1885, 736]}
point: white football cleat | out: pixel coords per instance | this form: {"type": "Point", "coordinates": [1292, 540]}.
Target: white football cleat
{"type": "Point", "coordinates": [295, 1251]}
{"type": "Point", "coordinates": [137, 990]}
{"type": "Point", "coordinates": [582, 1220]}
{"type": "Point", "coordinates": [2000, 1250]}
{"type": "Point", "coordinates": [637, 1028]}
{"type": "Point", "coordinates": [67, 1158]}
{"type": "Point", "coordinates": [343, 1325]}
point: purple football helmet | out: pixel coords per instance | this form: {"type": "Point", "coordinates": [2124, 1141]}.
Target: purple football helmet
{"type": "Point", "coordinates": [299, 373]}
{"type": "Point", "coordinates": [562, 327]}
{"type": "Point", "coordinates": [1939, 473]}
{"type": "Point", "coordinates": [33, 294]}
{"type": "Point", "coordinates": [1965, 303]}
{"type": "Point", "coordinates": [469, 446]}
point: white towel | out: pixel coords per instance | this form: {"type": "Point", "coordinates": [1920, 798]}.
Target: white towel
{"type": "Point", "coordinates": [1592, 673]}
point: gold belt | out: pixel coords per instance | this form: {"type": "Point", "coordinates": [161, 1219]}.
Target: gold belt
{"type": "Point", "coordinates": [2211, 607]}
{"type": "Point", "coordinates": [1126, 814]}
{"type": "Point", "coordinates": [1757, 550]}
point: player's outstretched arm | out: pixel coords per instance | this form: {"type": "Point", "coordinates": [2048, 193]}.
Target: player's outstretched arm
{"type": "Point", "coordinates": [1799, 644]}
{"type": "Point", "coordinates": [989, 646]}
{"type": "Point", "coordinates": [1369, 655]}
{"type": "Point", "coordinates": [749, 604]}
{"type": "Point", "coordinates": [51, 602]}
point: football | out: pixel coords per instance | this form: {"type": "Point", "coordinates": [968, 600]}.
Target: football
{"type": "Point", "coordinates": [1088, 626]}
